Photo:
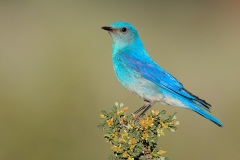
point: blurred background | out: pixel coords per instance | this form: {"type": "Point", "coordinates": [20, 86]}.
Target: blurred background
{"type": "Point", "coordinates": [56, 75]}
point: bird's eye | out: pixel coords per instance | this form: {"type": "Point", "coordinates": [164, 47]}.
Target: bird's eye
{"type": "Point", "coordinates": [124, 29]}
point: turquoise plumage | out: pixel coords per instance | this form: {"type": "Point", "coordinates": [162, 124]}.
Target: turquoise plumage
{"type": "Point", "coordinates": [137, 72]}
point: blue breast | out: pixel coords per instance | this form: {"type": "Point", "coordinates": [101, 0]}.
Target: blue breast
{"type": "Point", "coordinates": [134, 82]}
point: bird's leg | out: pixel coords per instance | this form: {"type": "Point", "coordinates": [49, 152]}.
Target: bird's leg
{"type": "Point", "coordinates": [148, 106]}
{"type": "Point", "coordinates": [140, 109]}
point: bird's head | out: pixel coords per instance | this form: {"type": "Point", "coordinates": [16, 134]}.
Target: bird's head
{"type": "Point", "coordinates": [123, 34]}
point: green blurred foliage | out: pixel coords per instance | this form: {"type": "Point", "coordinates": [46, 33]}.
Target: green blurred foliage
{"type": "Point", "coordinates": [56, 74]}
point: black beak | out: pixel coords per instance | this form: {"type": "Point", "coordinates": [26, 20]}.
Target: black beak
{"type": "Point", "coordinates": [107, 28]}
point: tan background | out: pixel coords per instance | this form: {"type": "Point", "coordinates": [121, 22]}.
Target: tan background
{"type": "Point", "coordinates": [56, 75]}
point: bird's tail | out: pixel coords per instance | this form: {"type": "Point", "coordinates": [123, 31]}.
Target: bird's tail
{"type": "Point", "coordinates": [204, 113]}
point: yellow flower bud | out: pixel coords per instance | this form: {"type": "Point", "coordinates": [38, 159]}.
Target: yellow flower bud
{"type": "Point", "coordinates": [161, 152]}
{"type": "Point", "coordinates": [125, 154]}
{"type": "Point", "coordinates": [102, 115]}
{"type": "Point", "coordinates": [110, 122]}
{"type": "Point", "coordinates": [155, 112]}
{"type": "Point", "coordinates": [164, 125]}
{"type": "Point", "coordinates": [145, 136]}
{"type": "Point", "coordinates": [125, 109]}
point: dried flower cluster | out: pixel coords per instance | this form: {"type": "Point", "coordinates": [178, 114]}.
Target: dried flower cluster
{"type": "Point", "coordinates": [132, 140]}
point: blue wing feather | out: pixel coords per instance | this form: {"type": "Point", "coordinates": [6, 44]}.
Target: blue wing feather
{"type": "Point", "coordinates": [144, 65]}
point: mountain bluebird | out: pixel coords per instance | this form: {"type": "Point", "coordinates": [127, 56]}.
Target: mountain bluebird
{"type": "Point", "coordinates": [137, 72]}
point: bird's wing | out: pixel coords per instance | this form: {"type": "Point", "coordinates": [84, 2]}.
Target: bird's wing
{"type": "Point", "coordinates": [152, 72]}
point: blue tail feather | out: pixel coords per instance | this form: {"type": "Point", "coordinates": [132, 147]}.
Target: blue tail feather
{"type": "Point", "coordinates": [204, 113]}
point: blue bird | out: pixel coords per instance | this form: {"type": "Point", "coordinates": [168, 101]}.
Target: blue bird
{"type": "Point", "coordinates": [138, 73]}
